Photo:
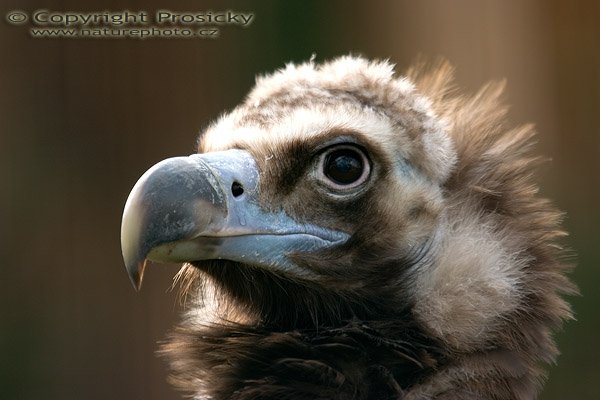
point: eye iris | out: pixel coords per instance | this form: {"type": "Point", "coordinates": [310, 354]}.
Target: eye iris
{"type": "Point", "coordinates": [343, 166]}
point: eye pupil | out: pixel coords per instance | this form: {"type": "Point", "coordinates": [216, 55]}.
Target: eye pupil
{"type": "Point", "coordinates": [343, 166]}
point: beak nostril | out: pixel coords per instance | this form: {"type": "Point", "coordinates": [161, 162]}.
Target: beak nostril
{"type": "Point", "coordinates": [237, 189]}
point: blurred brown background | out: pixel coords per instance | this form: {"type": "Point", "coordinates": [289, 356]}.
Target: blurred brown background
{"type": "Point", "coordinates": [80, 120]}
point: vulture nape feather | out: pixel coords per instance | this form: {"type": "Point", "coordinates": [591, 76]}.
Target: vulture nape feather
{"type": "Point", "coordinates": [352, 234]}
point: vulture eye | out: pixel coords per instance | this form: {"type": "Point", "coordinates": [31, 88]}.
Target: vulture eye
{"type": "Point", "coordinates": [344, 167]}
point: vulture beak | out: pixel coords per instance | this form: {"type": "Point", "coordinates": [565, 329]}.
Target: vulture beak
{"type": "Point", "coordinates": [206, 207]}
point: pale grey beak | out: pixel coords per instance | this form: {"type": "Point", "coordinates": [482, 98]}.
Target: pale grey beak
{"type": "Point", "coordinates": [206, 206]}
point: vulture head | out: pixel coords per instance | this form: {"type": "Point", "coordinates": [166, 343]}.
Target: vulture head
{"type": "Point", "coordinates": [351, 234]}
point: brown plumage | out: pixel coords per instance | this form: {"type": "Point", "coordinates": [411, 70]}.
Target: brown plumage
{"type": "Point", "coordinates": [448, 282]}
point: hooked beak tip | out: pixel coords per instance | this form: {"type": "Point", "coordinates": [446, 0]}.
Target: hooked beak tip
{"type": "Point", "coordinates": [136, 274]}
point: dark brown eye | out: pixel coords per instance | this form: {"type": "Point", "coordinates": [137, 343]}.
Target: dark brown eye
{"type": "Point", "coordinates": [344, 167]}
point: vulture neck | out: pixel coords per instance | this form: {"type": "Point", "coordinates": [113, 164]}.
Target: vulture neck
{"type": "Point", "coordinates": [316, 345]}
{"type": "Point", "coordinates": [357, 360]}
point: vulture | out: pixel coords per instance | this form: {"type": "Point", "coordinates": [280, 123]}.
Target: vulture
{"type": "Point", "coordinates": [348, 233]}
